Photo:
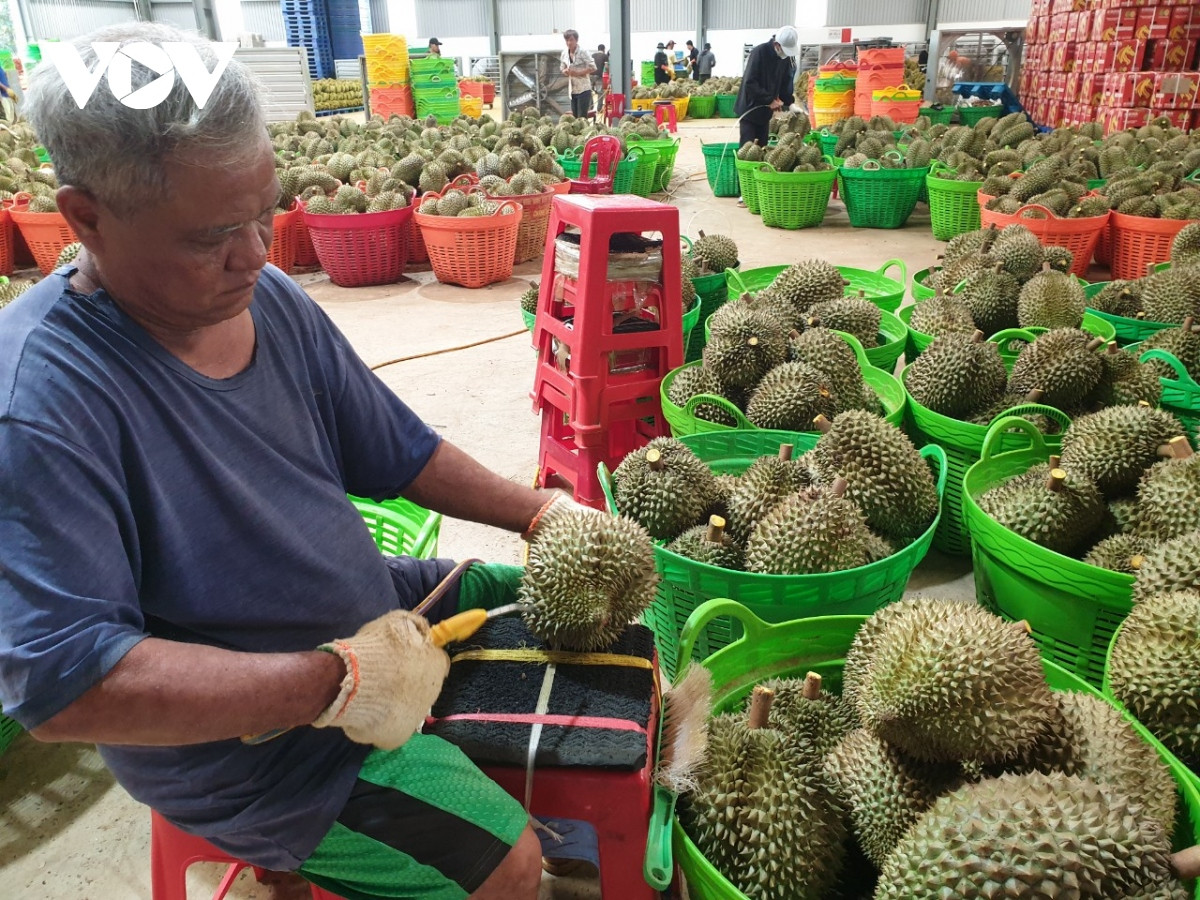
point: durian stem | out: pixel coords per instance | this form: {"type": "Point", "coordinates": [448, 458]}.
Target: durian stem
{"type": "Point", "coordinates": [1035, 395]}
{"type": "Point", "coordinates": [1176, 448]}
{"type": "Point", "coordinates": [1054, 461]}
{"type": "Point", "coordinates": [978, 336]}
{"type": "Point", "coordinates": [1135, 562]}
{"type": "Point", "coordinates": [1186, 863]}
{"type": "Point", "coordinates": [654, 459]}
{"type": "Point", "coordinates": [716, 530]}
{"type": "Point", "coordinates": [1112, 349]}
{"type": "Point", "coordinates": [1056, 479]}
{"type": "Point", "coordinates": [1188, 322]}
{"type": "Point", "coordinates": [786, 451]}
{"type": "Point", "coordinates": [760, 706]}
{"type": "Point", "coordinates": [839, 486]}
{"type": "Point", "coordinates": [752, 342]}
{"type": "Point", "coordinates": [823, 424]}
{"type": "Point", "coordinates": [812, 686]}
{"type": "Point", "coordinates": [1094, 343]}
{"type": "Point", "coordinates": [1024, 626]}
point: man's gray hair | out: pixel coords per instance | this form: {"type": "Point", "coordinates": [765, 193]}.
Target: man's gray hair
{"type": "Point", "coordinates": [570, 33]}
{"type": "Point", "coordinates": [118, 153]}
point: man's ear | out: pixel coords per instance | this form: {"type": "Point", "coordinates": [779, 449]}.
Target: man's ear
{"type": "Point", "coordinates": [82, 211]}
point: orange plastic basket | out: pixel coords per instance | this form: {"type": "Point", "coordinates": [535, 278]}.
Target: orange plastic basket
{"type": "Point", "coordinates": [45, 233]}
{"type": "Point", "coordinates": [473, 251]}
{"type": "Point", "coordinates": [358, 249]}
{"type": "Point", "coordinates": [535, 221]}
{"type": "Point", "coordinates": [282, 254]}
{"type": "Point", "coordinates": [6, 242]}
{"type": "Point", "coordinates": [1077, 235]}
{"type": "Point", "coordinates": [417, 252]}
{"type": "Point", "coordinates": [391, 100]}
{"type": "Point", "coordinates": [1138, 242]}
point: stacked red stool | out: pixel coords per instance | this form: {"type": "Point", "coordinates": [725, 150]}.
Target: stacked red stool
{"type": "Point", "coordinates": [603, 345]}
{"type": "Point", "coordinates": [664, 110]}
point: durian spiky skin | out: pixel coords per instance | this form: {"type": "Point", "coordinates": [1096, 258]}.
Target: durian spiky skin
{"type": "Point", "coordinates": [942, 314]}
{"type": "Point", "coordinates": [668, 497]}
{"type": "Point", "coordinates": [68, 254]}
{"type": "Point", "coordinates": [811, 531]}
{"type": "Point", "coordinates": [887, 478]}
{"type": "Point", "coordinates": [860, 318]}
{"type": "Point", "coordinates": [1172, 295]}
{"type": "Point", "coordinates": [949, 682]}
{"type": "Point", "coordinates": [1117, 553]}
{"type": "Point", "coordinates": [587, 578]}
{"type": "Point", "coordinates": [1051, 299]}
{"type": "Point", "coordinates": [957, 375]}
{"type": "Point", "coordinates": [884, 791]}
{"type": "Point", "coordinates": [808, 282]}
{"type": "Point", "coordinates": [743, 346]}
{"type": "Point", "coordinates": [1114, 446]}
{"type": "Point", "coordinates": [1060, 365]}
{"type": "Point", "coordinates": [815, 724]}
{"type": "Point", "coordinates": [693, 380]}
{"type": "Point", "coordinates": [1185, 246]}
{"type": "Point", "coordinates": [1170, 566]}
{"type": "Point", "coordinates": [715, 252]}
{"type": "Point", "coordinates": [1126, 381]}
{"type": "Point", "coordinates": [1169, 499]}
{"type": "Point", "coordinates": [695, 545]}
{"type": "Point", "coordinates": [991, 297]}
{"type": "Point", "coordinates": [790, 397]}
{"type": "Point", "coordinates": [1062, 519]}
{"type": "Point", "coordinates": [768, 482]}
{"type": "Point", "coordinates": [834, 358]}
{"type": "Point", "coordinates": [763, 814]}
{"type": "Point", "coordinates": [1028, 837]}
{"type": "Point", "coordinates": [1155, 666]}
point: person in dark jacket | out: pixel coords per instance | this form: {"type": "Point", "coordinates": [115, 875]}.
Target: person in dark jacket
{"type": "Point", "coordinates": [662, 65]}
{"type": "Point", "coordinates": [766, 84]}
{"type": "Point", "coordinates": [692, 55]}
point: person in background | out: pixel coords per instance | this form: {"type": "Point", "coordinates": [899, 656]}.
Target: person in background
{"type": "Point", "coordinates": [577, 64]}
{"type": "Point", "coordinates": [692, 55]}
{"type": "Point", "coordinates": [766, 84]}
{"type": "Point", "coordinates": [600, 58]}
{"type": "Point", "coordinates": [662, 65]}
{"type": "Point", "coordinates": [435, 47]}
{"type": "Point", "coordinates": [704, 64]}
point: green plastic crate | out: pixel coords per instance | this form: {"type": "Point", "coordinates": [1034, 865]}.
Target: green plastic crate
{"type": "Point", "coordinates": [401, 527]}
{"type": "Point", "coordinates": [643, 174]}
{"type": "Point", "coordinates": [970, 115]}
{"type": "Point", "coordinates": [938, 115]}
{"type": "Point", "coordinates": [686, 584]}
{"type": "Point", "coordinates": [427, 66]}
{"type": "Point", "coordinates": [721, 169]}
{"type": "Point", "coordinates": [790, 649]}
{"type": "Point", "coordinates": [745, 169]}
{"type": "Point", "coordinates": [1072, 608]}
{"type": "Point", "coordinates": [648, 72]}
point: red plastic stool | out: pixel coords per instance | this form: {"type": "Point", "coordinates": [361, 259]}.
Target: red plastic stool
{"type": "Point", "coordinates": [614, 107]}
{"type": "Point", "coordinates": [607, 150]}
{"type": "Point", "coordinates": [665, 109]}
{"type": "Point", "coordinates": [173, 850]}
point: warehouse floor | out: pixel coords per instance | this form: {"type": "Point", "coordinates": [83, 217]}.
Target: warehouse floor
{"type": "Point", "coordinates": [67, 831]}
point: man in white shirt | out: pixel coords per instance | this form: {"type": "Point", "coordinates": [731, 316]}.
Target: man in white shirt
{"type": "Point", "coordinates": [578, 66]}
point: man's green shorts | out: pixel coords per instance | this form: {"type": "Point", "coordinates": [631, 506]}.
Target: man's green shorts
{"type": "Point", "coordinates": [422, 822]}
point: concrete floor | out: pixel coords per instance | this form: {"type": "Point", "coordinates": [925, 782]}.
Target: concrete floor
{"type": "Point", "coordinates": [67, 831]}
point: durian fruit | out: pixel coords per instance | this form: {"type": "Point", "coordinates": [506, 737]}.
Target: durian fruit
{"type": "Point", "coordinates": [1183, 343]}
{"type": "Point", "coordinates": [715, 253]}
{"type": "Point", "coordinates": [588, 577]}
{"type": "Point", "coordinates": [808, 282]}
{"type": "Point", "coordinates": [1125, 381]}
{"type": "Point", "coordinates": [992, 297]}
{"type": "Point", "coordinates": [1114, 446]}
{"type": "Point", "coordinates": [887, 478]}
{"type": "Point", "coordinates": [947, 681]}
{"type": "Point", "coordinates": [1051, 299]}
{"type": "Point", "coordinates": [1028, 837]}
{"type": "Point", "coordinates": [1059, 258]}
{"type": "Point", "coordinates": [743, 345]}
{"type": "Point", "coordinates": [1185, 247]}
{"type": "Point", "coordinates": [942, 314]}
{"type": "Point", "coordinates": [709, 544]}
{"type": "Point", "coordinates": [11, 290]}
{"type": "Point", "coordinates": [664, 487]}
{"type": "Point", "coordinates": [762, 813]}
{"type": "Point", "coordinates": [814, 530]}
{"type": "Point", "coordinates": [833, 357]}
{"type": "Point", "coordinates": [1172, 565]}
{"type": "Point", "coordinates": [529, 299]}
{"type": "Point", "coordinates": [68, 254]}
{"type": "Point", "coordinates": [1119, 553]}
{"type": "Point", "coordinates": [812, 717]}
{"type": "Point", "coordinates": [790, 397]}
{"type": "Point", "coordinates": [1118, 298]}
{"type": "Point", "coordinates": [767, 482]}
{"type": "Point", "coordinates": [693, 380]}
{"type": "Point", "coordinates": [1172, 295]}
{"type": "Point", "coordinates": [1155, 667]}
{"type": "Point", "coordinates": [1060, 513]}
{"type": "Point", "coordinates": [1018, 251]}
{"type": "Point", "coordinates": [853, 315]}
{"type": "Point", "coordinates": [1168, 499]}
{"type": "Point", "coordinates": [1063, 364]}
{"type": "Point", "coordinates": [885, 791]}
{"type": "Point", "coordinates": [957, 375]}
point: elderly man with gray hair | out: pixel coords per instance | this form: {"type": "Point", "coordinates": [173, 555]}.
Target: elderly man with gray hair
{"type": "Point", "coordinates": [180, 425]}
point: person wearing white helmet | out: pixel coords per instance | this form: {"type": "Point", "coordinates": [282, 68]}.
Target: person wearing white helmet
{"type": "Point", "coordinates": [766, 84]}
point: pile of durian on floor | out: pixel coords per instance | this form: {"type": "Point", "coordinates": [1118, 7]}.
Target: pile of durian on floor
{"type": "Point", "coordinates": [862, 493]}
{"type": "Point", "coordinates": [774, 355]}
{"type": "Point", "coordinates": [947, 768]}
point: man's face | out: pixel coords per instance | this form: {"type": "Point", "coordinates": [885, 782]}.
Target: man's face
{"type": "Point", "coordinates": [193, 259]}
{"type": "Point", "coordinates": [572, 43]}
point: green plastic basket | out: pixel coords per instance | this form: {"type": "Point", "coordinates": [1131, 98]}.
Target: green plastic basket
{"type": "Point", "coordinates": [1106, 688]}
{"type": "Point", "coordinates": [702, 106]}
{"type": "Point", "coordinates": [970, 115]}
{"type": "Point", "coordinates": [920, 291]}
{"type": "Point", "coordinates": [895, 338]}
{"type": "Point", "coordinates": [1128, 331]}
{"type": "Point", "coordinates": [953, 205]}
{"type": "Point", "coordinates": [686, 584]}
{"type": "Point", "coordinates": [938, 115]}
{"type": "Point", "coordinates": [665, 164]}
{"type": "Point", "coordinates": [9, 730]}
{"type": "Point", "coordinates": [1072, 608]}
{"type": "Point", "coordinates": [1013, 340]}
{"type": "Point", "coordinates": [828, 141]}
{"type": "Point", "coordinates": [963, 443]}
{"type": "Point", "coordinates": [886, 293]}
{"type": "Point", "coordinates": [792, 200]}
{"type": "Point", "coordinates": [725, 104]}
{"type": "Point", "coordinates": [880, 198]}
{"type": "Point", "coordinates": [710, 289]}
{"type": "Point", "coordinates": [790, 649]}
{"type": "Point", "coordinates": [745, 169]}
{"type": "Point", "coordinates": [400, 527]}
{"type": "Point", "coordinates": [719, 166]}
{"type": "Point", "coordinates": [1181, 393]}
{"type": "Point", "coordinates": [623, 176]}
{"type": "Point", "coordinates": [643, 173]}
{"type": "Point", "coordinates": [426, 66]}
{"type": "Point", "coordinates": [648, 72]}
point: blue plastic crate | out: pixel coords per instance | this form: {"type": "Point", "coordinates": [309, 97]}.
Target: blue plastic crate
{"type": "Point", "coordinates": [990, 90]}
{"type": "Point", "coordinates": [345, 29]}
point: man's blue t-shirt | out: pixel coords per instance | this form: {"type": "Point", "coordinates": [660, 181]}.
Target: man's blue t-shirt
{"type": "Point", "coordinates": [141, 498]}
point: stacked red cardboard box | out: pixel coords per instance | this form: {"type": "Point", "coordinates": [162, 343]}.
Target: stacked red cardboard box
{"type": "Point", "coordinates": [1117, 62]}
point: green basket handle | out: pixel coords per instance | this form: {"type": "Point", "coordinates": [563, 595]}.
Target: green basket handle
{"type": "Point", "coordinates": [636, 138]}
{"type": "Point", "coordinates": [766, 167]}
{"type": "Point", "coordinates": [743, 424]}
{"type": "Point", "coordinates": [659, 863]}
{"type": "Point", "coordinates": [754, 629]}
{"type": "Point", "coordinates": [686, 243]}
{"type": "Point", "coordinates": [736, 277]}
{"type": "Point", "coordinates": [635, 153]}
{"type": "Point", "coordinates": [855, 345]}
{"type": "Point", "coordinates": [882, 270]}
{"type": "Point", "coordinates": [938, 166]}
{"type": "Point", "coordinates": [1012, 418]}
{"type": "Point", "coordinates": [1182, 376]}
{"type": "Point", "coordinates": [938, 453]}
{"type": "Point", "coordinates": [606, 484]}
{"type": "Point", "coordinates": [1008, 336]}
{"type": "Point", "coordinates": [893, 154]}
{"type": "Point", "coordinates": [870, 166]}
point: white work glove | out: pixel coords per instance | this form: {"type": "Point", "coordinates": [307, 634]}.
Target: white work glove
{"type": "Point", "coordinates": [557, 505]}
{"type": "Point", "coordinates": [394, 673]}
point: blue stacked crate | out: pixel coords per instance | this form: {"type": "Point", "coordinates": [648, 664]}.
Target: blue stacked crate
{"type": "Point", "coordinates": [345, 30]}
{"type": "Point", "coordinates": [306, 25]}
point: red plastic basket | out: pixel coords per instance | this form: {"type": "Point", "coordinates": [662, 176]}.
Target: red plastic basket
{"type": "Point", "coordinates": [45, 233]}
{"type": "Point", "coordinates": [395, 99]}
{"type": "Point", "coordinates": [882, 56]}
{"type": "Point", "coordinates": [1077, 235]}
{"type": "Point", "coordinates": [535, 221]}
{"type": "Point", "coordinates": [306, 253]}
{"type": "Point", "coordinates": [358, 249]}
{"type": "Point", "coordinates": [282, 254]}
{"type": "Point", "coordinates": [6, 241]}
{"type": "Point", "coordinates": [1139, 242]}
{"type": "Point", "coordinates": [473, 251]}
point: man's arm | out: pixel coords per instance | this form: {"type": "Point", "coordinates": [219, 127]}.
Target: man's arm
{"type": "Point", "coordinates": [166, 693]}
{"type": "Point", "coordinates": [454, 484]}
